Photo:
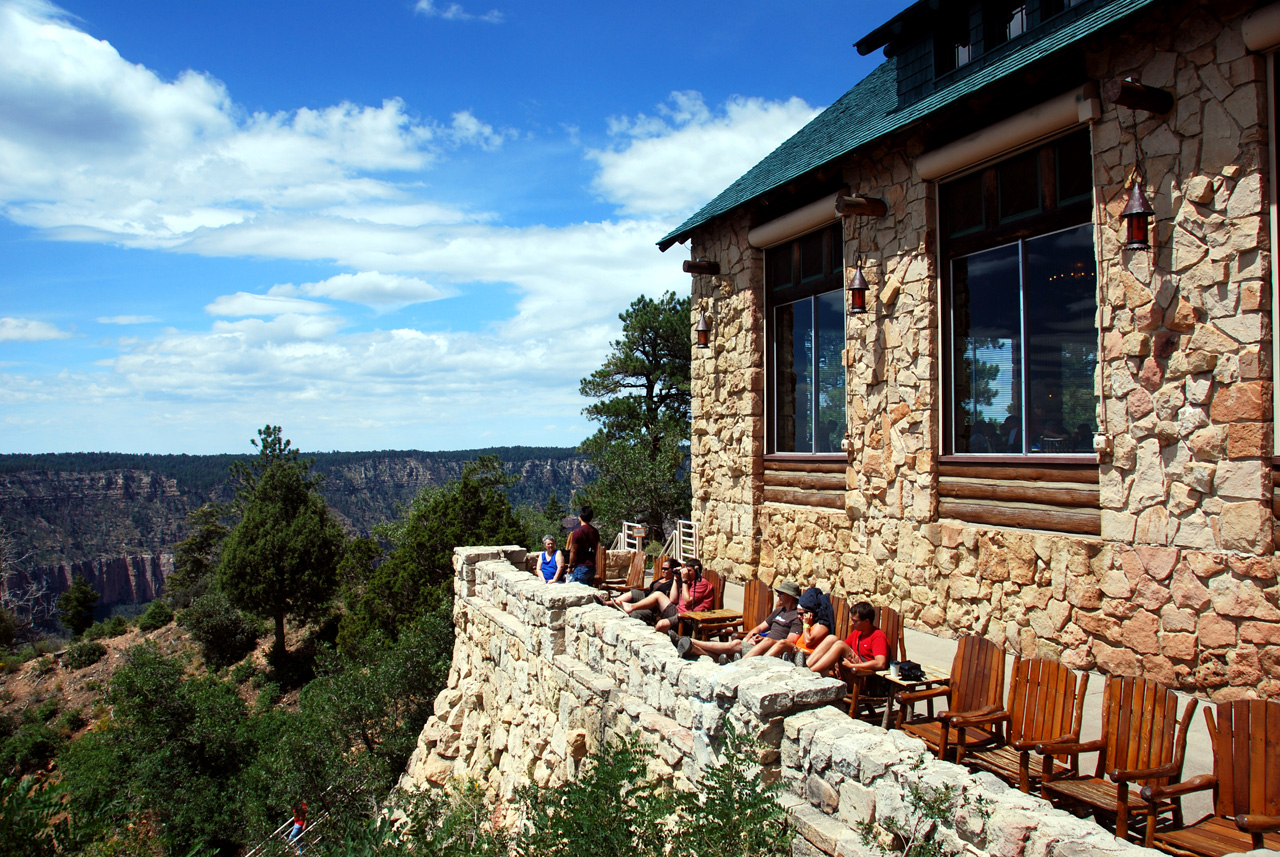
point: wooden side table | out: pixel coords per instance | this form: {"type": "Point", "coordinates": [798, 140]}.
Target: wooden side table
{"type": "Point", "coordinates": [699, 624]}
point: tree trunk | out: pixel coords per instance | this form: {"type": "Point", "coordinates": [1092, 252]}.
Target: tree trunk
{"type": "Point", "coordinates": [279, 647]}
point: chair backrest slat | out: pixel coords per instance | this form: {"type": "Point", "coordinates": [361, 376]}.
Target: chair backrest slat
{"type": "Point", "coordinates": [1141, 726]}
{"type": "Point", "coordinates": [718, 582]}
{"type": "Point", "coordinates": [889, 621]}
{"type": "Point", "coordinates": [840, 609]}
{"type": "Point", "coordinates": [635, 577]}
{"type": "Point", "coordinates": [1042, 700]}
{"type": "Point", "coordinates": [1246, 756]}
{"type": "Point", "coordinates": [977, 674]}
{"type": "Point", "coordinates": [1271, 805]}
{"type": "Point", "coordinates": [756, 601]}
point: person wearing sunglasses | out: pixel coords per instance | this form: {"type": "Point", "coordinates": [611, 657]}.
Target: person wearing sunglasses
{"type": "Point", "coordinates": [663, 580]}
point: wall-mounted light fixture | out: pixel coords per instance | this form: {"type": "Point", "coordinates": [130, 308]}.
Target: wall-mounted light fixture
{"type": "Point", "coordinates": [1137, 216]}
{"type": "Point", "coordinates": [857, 289]}
{"type": "Point", "coordinates": [702, 330]}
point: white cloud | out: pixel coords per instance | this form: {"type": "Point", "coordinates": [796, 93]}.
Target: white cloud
{"type": "Point", "coordinates": [26, 330]}
{"type": "Point", "coordinates": [93, 146]}
{"type": "Point", "coordinates": [371, 288]}
{"type": "Point", "coordinates": [127, 319]}
{"type": "Point", "coordinates": [673, 162]}
{"type": "Point", "coordinates": [455, 12]}
{"type": "Point", "coordinates": [244, 303]}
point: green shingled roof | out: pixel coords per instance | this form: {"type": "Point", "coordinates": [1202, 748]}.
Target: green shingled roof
{"type": "Point", "coordinates": [867, 113]}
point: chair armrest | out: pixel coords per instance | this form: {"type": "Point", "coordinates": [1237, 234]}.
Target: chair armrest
{"type": "Point", "coordinates": [917, 695]}
{"type": "Point", "coordinates": [1119, 776]}
{"type": "Point", "coordinates": [1199, 782]}
{"type": "Point", "coordinates": [1061, 748]}
{"type": "Point", "coordinates": [1258, 823]}
{"type": "Point", "coordinates": [1069, 738]}
{"type": "Point", "coordinates": [978, 717]}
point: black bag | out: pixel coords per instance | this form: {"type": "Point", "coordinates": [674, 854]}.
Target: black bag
{"type": "Point", "coordinates": [910, 671]}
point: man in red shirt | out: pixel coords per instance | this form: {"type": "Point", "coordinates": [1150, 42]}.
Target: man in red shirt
{"type": "Point", "coordinates": [865, 649]}
{"type": "Point", "coordinates": [583, 543]}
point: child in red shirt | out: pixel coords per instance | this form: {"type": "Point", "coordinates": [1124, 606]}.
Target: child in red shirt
{"type": "Point", "coordinates": [865, 649]}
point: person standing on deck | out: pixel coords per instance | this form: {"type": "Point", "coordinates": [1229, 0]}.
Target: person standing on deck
{"type": "Point", "coordinates": [583, 543]}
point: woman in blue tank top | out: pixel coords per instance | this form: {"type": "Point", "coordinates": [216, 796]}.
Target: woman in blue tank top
{"type": "Point", "coordinates": [551, 561]}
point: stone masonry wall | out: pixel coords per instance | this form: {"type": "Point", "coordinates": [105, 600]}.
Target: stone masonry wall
{"type": "Point", "coordinates": [542, 676]}
{"type": "Point", "coordinates": [1182, 585]}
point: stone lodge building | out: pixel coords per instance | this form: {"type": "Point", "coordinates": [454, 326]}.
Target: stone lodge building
{"type": "Point", "coordinates": [1046, 426]}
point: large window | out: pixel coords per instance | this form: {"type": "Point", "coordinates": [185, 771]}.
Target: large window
{"type": "Point", "coordinates": [804, 285]}
{"type": "Point", "coordinates": [1022, 294]}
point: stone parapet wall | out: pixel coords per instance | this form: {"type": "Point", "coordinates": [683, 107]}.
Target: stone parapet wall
{"type": "Point", "coordinates": [542, 676]}
{"type": "Point", "coordinates": [840, 774]}
{"type": "Point", "coordinates": [1181, 585]}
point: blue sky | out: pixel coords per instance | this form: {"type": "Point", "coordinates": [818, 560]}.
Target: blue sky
{"type": "Point", "coordinates": [382, 225]}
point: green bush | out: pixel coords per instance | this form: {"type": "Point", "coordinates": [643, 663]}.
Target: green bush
{"type": "Point", "coordinates": [158, 614]}
{"type": "Point", "coordinates": [244, 671]}
{"type": "Point", "coordinates": [84, 654]}
{"type": "Point", "coordinates": [114, 627]}
{"type": "Point", "coordinates": [224, 634]}
{"type": "Point", "coordinates": [34, 741]}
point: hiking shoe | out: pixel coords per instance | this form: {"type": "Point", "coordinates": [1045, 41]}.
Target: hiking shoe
{"type": "Point", "coordinates": [684, 646]}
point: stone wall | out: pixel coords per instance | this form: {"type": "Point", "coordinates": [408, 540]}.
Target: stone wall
{"type": "Point", "coordinates": [1182, 583]}
{"type": "Point", "coordinates": [543, 676]}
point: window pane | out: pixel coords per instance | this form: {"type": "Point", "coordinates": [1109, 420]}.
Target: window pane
{"type": "Point", "coordinates": [779, 267]}
{"type": "Point", "coordinates": [1019, 186]}
{"type": "Point", "coordinates": [831, 416]}
{"type": "Point", "coordinates": [962, 205]}
{"type": "Point", "coordinates": [793, 377]}
{"type": "Point", "coordinates": [1074, 168]}
{"type": "Point", "coordinates": [811, 256]}
{"type": "Point", "coordinates": [1062, 341]}
{"type": "Point", "coordinates": [987, 405]}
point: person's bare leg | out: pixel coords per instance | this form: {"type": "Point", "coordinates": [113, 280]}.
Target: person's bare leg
{"type": "Point", "coordinates": [822, 648]}
{"type": "Point", "coordinates": [825, 660]}
{"type": "Point", "coordinates": [760, 648]}
{"type": "Point", "coordinates": [656, 600]}
{"type": "Point", "coordinates": [780, 649]}
{"type": "Point", "coordinates": [716, 648]}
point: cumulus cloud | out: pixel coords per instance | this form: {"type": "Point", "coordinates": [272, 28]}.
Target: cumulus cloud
{"type": "Point", "coordinates": [371, 288]}
{"type": "Point", "coordinates": [672, 162]}
{"type": "Point", "coordinates": [27, 330]}
{"type": "Point", "coordinates": [127, 319]}
{"type": "Point", "coordinates": [95, 146]}
{"type": "Point", "coordinates": [245, 304]}
{"type": "Point", "coordinates": [455, 12]}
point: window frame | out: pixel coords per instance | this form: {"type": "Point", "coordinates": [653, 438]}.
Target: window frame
{"type": "Point", "coordinates": [1054, 215]}
{"type": "Point", "coordinates": [831, 279]}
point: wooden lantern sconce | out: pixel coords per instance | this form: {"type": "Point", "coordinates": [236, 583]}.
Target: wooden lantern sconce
{"type": "Point", "coordinates": [853, 205]}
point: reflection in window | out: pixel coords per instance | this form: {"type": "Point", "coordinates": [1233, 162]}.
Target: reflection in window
{"type": "Point", "coordinates": [1025, 346]}
{"type": "Point", "coordinates": [808, 387]}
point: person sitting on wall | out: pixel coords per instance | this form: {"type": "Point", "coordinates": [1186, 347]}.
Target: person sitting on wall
{"type": "Point", "coordinates": [583, 544]}
{"type": "Point", "coordinates": [691, 592]}
{"type": "Point", "coordinates": [783, 625]}
{"type": "Point", "coordinates": [551, 561]}
{"type": "Point", "coordinates": [663, 580]}
{"type": "Point", "coordinates": [816, 621]}
{"type": "Point", "coordinates": [866, 649]}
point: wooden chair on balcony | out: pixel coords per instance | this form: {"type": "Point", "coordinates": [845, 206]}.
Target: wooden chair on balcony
{"type": "Point", "coordinates": [973, 689]}
{"type": "Point", "coordinates": [1245, 782]}
{"type": "Point", "coordinates": [634, 578]}
{"type": "Point", "coordinates": [1143, 743]}
{"type": "Point", "coordinates": [720, 623]}
{"type": "Point", "coordinates": [1045, 703]}
{"type": "Point", "coordinates": [840, 610]}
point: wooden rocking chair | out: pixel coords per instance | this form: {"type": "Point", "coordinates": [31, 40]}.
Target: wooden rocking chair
{"type": "Point", "coordinates": [1044, 704]}
{"type": "Point", "coordinates": [1143, 741]}
{"type": "Point", "coordinates": [634, 578]}
{"type": "Point", "coordinates": [974, 689]}
{"type": "Point", "coordinates": [1245, 783]}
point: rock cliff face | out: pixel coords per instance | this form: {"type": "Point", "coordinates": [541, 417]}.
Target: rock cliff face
{"type": "Point", "coordinates": [66, 518]}
{"type": "Point", "coordinates": [118, 580]}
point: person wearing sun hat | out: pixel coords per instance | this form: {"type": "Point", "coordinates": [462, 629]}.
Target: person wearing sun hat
{"type": "Point", "coordinates": [782, 625]}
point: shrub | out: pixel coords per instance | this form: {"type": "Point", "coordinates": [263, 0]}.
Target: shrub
{"type": "Point", "coordinates": [225, 635]}
{"type": "Point", "coordinates": [113, 627]}
{"type": "Point", "coordinates": [84, 654]}
{"type": "Point", "coordinates": [158, 614]}
{"type": "Point", "coordinates": [244, 671]}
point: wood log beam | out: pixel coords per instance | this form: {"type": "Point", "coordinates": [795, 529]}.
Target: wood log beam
{"type": "Point", "coordinates": [1044, 494]}
{"type": "Point", "coordinates": [701, 266]}
{"type": "Point", "coordinates": [804, 498]}
{"type": "Point", "coordinates": [1086, 522]}
{"type": "Point", "coordinates": [805, 466]}
{"type": "Point", "coordinates": [1137, 96]}
{"type": "Point", "coordinates": [1084, 473]}
{"type": "Point", "coordinates": [805, 481]}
